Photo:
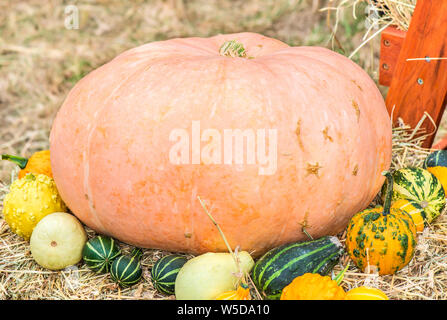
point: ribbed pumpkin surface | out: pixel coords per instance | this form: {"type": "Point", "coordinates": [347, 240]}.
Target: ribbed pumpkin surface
{"type": "Point", "coordinates": [137, 141]}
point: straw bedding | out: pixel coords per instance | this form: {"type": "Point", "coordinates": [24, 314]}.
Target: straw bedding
{"type": "Point", "coordinates": [381, 12]}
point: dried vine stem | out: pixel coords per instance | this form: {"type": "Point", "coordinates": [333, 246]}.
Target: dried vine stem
{"type": "Point", "coordinates": [234, 254]}
{"type": "Point", "coordinates": [217, 225]}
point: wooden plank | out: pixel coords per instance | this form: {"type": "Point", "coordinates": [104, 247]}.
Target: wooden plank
{"type": "Point", "coordinates": [421, 86]}
{"type": "Point", "coordinates": [391, 43]}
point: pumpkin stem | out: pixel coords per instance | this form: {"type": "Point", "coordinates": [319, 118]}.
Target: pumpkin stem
{"type": "Point", "coordinates": [21, 162]}
{"type": "Point", "coordinates": [233, 49]}
{"type": "Point", "coordinates": [243, 285]}
{"type": "Point", "coordinates": [389, 192]}
{"type": "Point", "coordinates": [30, 176]}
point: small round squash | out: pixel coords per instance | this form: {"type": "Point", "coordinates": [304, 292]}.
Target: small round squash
{"type": "Point", "coordinates": [30, 199]}
{"type": "Point", "coordinates": [421, 186]}
{"type": "Point", "coordinates": [57, 241]}
{"type": "Point", "coordinates": [126, 269]}
{"type": "Point", "coordinates": [365, 293]}
{"type": "Point", "coordinates": [382, 238]}
{"type": "Point", "coordinates": [99, 253]}
{"type": "Point", "coordinates": [165, 271]}
{"type": "Point", "coordinates": [313, 286]}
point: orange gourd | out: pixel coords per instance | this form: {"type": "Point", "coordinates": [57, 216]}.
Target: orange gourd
{"type": "Point", "coordinates": [38, 163]}
{"type": "Point", "coordinates": [313, 286]}
{"type": "Point", "coordinates": [241, 293]}
{"type": "Point", "coordinates": [382, 239]}
{"type": "Point", "coordinates": [137, 140]}
{"type": "Point", "coordinates": [365, 293]}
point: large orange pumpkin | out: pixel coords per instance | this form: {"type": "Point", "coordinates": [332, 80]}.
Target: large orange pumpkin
{"type": "Point", "coordinates": [118, 138]}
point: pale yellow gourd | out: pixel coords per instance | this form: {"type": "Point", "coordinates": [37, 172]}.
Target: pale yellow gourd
{"type": "Point", "coordinates": [208, 275]}
{"type": "Point", "coordinates": [57, 241]}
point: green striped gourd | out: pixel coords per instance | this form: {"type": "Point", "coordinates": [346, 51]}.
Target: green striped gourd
{"type": "Point", "coordinates": [165, 272]}
{"type": "Point", "coordinates": [422, 187]}
{"type": "Point", "coordinates": [126, 270]}
{"type": "Point", "coordinates": [436, 163]}
{"type": "Point", "coordinates": [278, 267]}
{"type": "Point", "coordinates": [99, 253]}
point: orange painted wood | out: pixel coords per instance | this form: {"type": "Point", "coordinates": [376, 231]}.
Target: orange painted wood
{"type": "Point", "coordinates": [421, 86]}
{"type": "Point", "coordinates": [391, 43]}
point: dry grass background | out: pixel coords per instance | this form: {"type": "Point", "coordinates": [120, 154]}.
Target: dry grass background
{"type": "Point", "coordinates": [41, 60]}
